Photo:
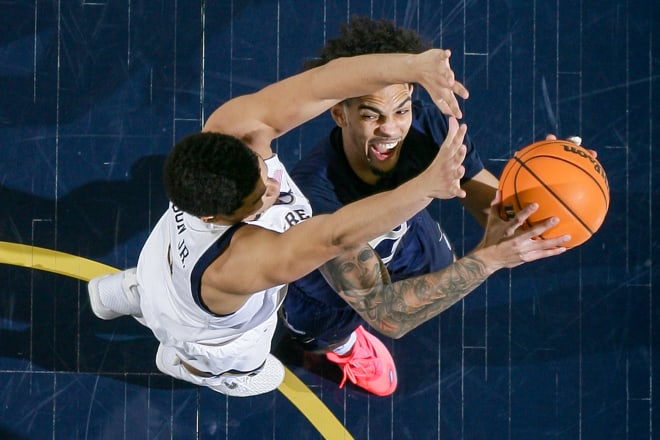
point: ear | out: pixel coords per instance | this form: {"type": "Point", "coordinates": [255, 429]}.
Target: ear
{"type": "Point", "coordinates": [338, 112]}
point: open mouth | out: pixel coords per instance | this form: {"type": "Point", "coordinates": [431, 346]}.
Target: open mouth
{"type": "Point", "coordinates": [383, 150]}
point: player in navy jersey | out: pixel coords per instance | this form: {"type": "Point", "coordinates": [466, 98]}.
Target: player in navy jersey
{"type": "Point", "coordinates": [213, 271]}
{"type": "Point", "coordinates": [380, 141]}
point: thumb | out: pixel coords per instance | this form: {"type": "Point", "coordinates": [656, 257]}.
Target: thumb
{"type": "Point", "coordinates": [497, 199]}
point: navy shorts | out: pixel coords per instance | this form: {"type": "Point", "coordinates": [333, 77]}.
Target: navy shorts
{"type": "Point", "coordinates": [318, 317]}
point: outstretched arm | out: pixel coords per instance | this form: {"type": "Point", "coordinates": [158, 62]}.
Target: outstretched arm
{"type": "Point", "coordinates": [396, 308]}
{"type": "Point", "coordinates": [260, 117]}
{"type": "Point", "coordinates": [282, 258]}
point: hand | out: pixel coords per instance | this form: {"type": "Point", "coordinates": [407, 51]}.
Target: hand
{"type": "Point", "coordinates": [446, 170]}
{"type": "Point", "coordinates": [577, 140]}
{"type": "Point", "coordinates": [508, 245]}
{"type": "Point", "coordinates": [438, 80]}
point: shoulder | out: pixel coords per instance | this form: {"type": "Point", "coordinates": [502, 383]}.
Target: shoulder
{"type": "Point", "coordinates": [428, 119]}
{"type": "Point", "coordinates": [317, 160]}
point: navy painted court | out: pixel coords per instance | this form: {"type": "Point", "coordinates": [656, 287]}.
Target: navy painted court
{"type": "Point", "coordinates": [94, 93]}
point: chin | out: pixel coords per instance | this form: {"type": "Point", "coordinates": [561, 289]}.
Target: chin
{"type": "Point", "coordinates": [382, 172]}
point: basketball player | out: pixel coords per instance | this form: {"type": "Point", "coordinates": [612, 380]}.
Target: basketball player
{"type": "Point", "coordinates": [382, 140]}
{"type": "Point", "coordinates": [212, 273]}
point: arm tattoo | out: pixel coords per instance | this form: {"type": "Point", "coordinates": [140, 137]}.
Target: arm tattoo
{"type": "Point", "coordinates": [396, 308]}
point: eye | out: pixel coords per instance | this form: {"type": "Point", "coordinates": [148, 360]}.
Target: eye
{"type": "Point", "coordinates": [403, 111]}
{"type": "Point", "coordinates": [369, 116]}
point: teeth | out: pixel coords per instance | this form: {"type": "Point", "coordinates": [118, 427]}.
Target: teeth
{"type": "Point", "coordinates": [384, 146]}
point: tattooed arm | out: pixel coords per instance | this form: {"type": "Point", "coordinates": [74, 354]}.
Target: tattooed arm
{"type": "Point", "coordinates": [394, 309]}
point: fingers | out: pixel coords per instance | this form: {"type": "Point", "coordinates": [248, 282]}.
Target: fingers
{"type": "Point", "coordinates": [543, 253]}
{"type": "Point", "coordinates": [460, 151]}
{"type": "Point", "coordinates": [532, 248]}
{"type": "Point", "coordinates": [447, 167]}
{"type": "Point", "coordinates": [453, 127]}
{"type": "Point", "coordinates": [449, 106]}
{"type": "Point", "coordinates": [447, 102]}
{"type": "Point", "coordinates": [461, 90]}
{"type": "Point", "coordinates": [540, 228]}
{"type": "Point", "coordinates": [524, 213]}
{"type": "Point", "coordinates": [453, 143]}
{"type": "Point", "coordinates": [455, 86]}
{"type": "Point", "coordinates": [577, 140]}
{"type": "Point", "coordinates": [442, 85]}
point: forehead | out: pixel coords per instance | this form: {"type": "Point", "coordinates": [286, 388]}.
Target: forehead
{"type": "Point", "coordinates": [390, 96]}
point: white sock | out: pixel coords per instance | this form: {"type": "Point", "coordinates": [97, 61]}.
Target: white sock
{"type": "Point", "coordinates": [347, 347]}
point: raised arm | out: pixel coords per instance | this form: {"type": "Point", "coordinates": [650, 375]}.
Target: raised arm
{"type": "Point", "coordinates": [260, 117]}
{"type": "Point", "coordinates": [264, 258]}
{"type": "Point", "coordinates": [396, 308]}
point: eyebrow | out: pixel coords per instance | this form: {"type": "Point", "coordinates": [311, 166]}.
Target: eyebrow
{"type": "Point", "coordinates": [379, 111]}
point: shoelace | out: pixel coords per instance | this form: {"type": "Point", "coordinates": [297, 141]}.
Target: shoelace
{"type": "Point", "coordinates": [362, 363]}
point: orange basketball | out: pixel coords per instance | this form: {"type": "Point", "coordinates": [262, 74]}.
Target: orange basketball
{"type": "Point", "coordinates": [565, 180]}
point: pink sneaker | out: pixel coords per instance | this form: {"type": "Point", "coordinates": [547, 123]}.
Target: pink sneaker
{"type": "Point", "coordinates": [369, 364]}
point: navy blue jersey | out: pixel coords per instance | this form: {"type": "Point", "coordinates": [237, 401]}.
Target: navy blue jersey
{"type": "Point", "coordinates": [328, 181]}
{"type": "Point", "coordinates": [416, 247]}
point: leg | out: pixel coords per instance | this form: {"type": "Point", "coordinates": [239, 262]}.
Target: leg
{"type": "Point", "coordinates": [334, 328]}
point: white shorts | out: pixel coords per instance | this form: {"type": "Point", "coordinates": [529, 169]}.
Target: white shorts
{"type": "Point", "coordinates": [243, 354]}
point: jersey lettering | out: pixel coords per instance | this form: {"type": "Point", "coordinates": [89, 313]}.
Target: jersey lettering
{"type": "Point", "coordinates": [295, 216]}
{"type": "Point", "coordinates": [178, 217]}
{"type": "Point", "coordinates": [180, 228]}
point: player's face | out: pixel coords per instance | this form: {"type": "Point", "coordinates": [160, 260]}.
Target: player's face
{"type": "Point", "coordinates": [373, 129]}
{"type": "Point", "coordinates": [269, 196]}
{"type": "Point", "coordinates": [264, 195]}
{"type": "Point", "coordinates": [252, 204]}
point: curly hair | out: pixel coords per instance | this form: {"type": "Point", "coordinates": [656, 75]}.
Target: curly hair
{"type": "Point", "coordinates": [210, 173]}
{"type": "Point", "coordinates": [364, 35]}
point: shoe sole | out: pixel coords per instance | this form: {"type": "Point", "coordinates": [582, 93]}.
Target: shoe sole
{"type": "Point", "coordinates": [267, 380]}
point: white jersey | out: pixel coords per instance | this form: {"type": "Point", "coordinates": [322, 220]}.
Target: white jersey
{"type": "Point", "coordinates": [177, 253]}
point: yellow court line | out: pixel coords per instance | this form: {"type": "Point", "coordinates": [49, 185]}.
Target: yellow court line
{"type": "Point", "coordinates": [84, 269]}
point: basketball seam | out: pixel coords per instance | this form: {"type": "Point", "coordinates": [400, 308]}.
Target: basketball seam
{"type": "Point", "coordinates": [559, 199]}
{"type": "Point", "coordinates": [600, 187]}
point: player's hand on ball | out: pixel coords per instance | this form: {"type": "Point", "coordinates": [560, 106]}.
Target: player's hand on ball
{"type": "Point", "coordinates": [509, 245]}
{"type": "Point", "coordinates": [577, 140]}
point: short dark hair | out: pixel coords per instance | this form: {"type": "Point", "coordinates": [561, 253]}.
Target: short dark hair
{"type": "Point", "coordinates": [364, 35]}
{"type": "Point", "coordinates": [207, 174]}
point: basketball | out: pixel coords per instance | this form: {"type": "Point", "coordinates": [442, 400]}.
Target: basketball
{"type": "Point", "coordinates": [565, 180]}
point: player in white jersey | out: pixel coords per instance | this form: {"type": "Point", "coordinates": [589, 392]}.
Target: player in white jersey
{"type": "Point", "coordinates": [208, 283]}
{"type": "Point", "coordinates": [187, 329]}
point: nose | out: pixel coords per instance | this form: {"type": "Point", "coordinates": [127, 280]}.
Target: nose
{"type": "Point", "coordinates": [388, 127]}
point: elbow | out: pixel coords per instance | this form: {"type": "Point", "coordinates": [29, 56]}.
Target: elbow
{"type": "Point", "coordinates": [391, 329]}
{"type": "Point", "coordinates": [344, 243]}
{"type": "Point", "coordinates": [398, 334]}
